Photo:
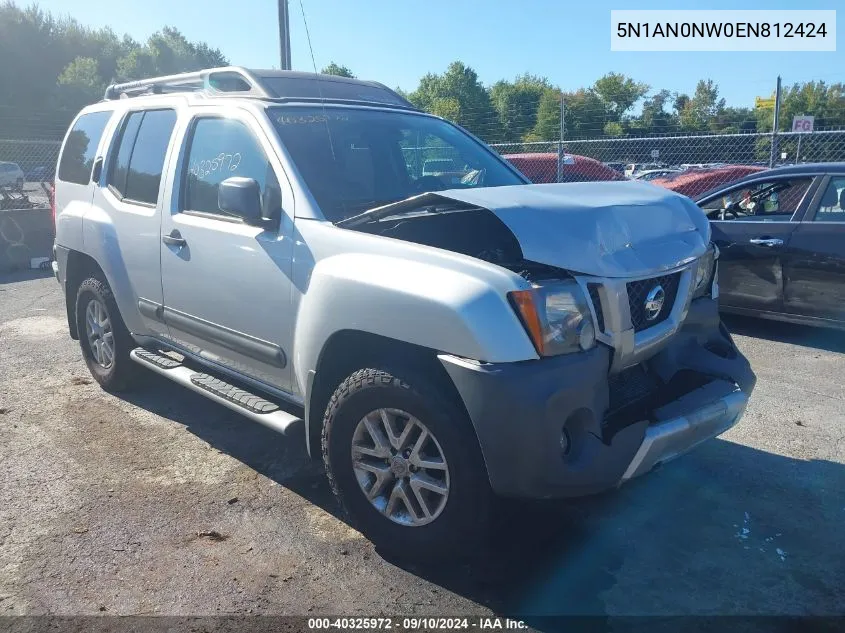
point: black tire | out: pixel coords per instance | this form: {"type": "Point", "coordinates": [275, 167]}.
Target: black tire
{"type": "Point", "coordinates": [461, 528]}
{"type": "Point", "coordinates": [119, 375]}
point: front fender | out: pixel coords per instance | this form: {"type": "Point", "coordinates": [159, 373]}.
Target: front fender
{"type": "Point", "coordinates": [432, 306]}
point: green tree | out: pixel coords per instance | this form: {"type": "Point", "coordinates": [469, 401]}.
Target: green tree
{"type": "Point", "coordinates": [619, 94]}
{"type": "Point", "coordinates": [340, 71]}
{"type": "Point", "coordinates": [460, 84]}
{"type": "Point", "coordinates": [825, 102]}
{"type": "Point", "coordinates": [80, 82]}
{"type": "Point", "coordinates": [53, 65]}
{"type": "Point", "coordinates": [167, 52]}
{"type": "Point", "coordinates": [584, 114]}
{"type": "Point", "coordinates": [704, 106]}
{"type": "Point", "coordinates": [516, 103]}
{"type": "Point", "coordinates": [654, 118]}
{"type": "Point", "coordinates": [547, 127]}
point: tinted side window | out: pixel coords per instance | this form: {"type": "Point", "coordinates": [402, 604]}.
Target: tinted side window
{"type": "Point", "coordinates": [772, 200]}
{"type": "Point", "coordinates": [832, 205]}
{"type": "Point", "coordinates": [220, 149]}
{"type": "Point", "coordinates": [136, 170]}
{"type": "Point", "coordinates": [147, 160]}
{"type": "Point", "coordinates": [120, 163]}
{"type": "Point", "coordinates": [80, 147]}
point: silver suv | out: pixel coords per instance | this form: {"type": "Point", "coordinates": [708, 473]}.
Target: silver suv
{"type": "Point", "coordinates": [274, 242]}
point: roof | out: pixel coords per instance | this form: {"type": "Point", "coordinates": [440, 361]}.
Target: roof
{"type": "Point", "coordinates": [806, 169]}
{"type": "Point", "coordinates": [541, 167]}
{"type": "Point", "coordinates": [277, 85]}
{"type": "Point", "coordinates": [694, 182]}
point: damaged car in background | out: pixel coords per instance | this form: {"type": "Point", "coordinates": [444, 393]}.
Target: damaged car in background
{"type": "Point", "coordinates": [324, 259]}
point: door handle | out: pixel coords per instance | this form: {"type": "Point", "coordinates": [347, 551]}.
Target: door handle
{"type": "Point", "coordinates": [770, 242]}
{"type": "Point", "coordinates": [174, 239]}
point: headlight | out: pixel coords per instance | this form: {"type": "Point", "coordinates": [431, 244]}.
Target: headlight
{"type": "Point", "coordinates": [705, 272]}
{"type": "Point", "coordinates": [556, 317]}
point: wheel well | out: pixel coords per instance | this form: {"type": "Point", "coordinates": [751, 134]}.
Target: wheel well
{"type": "Point", "coordinates": [349, 350]}
{"type": "Point", "coordinates": [79, 268]}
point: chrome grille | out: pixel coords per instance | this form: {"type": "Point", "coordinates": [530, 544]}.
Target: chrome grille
{"type": "Point", "coordinates": [638, 292]}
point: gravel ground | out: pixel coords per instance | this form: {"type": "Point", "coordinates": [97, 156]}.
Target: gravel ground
{"type": "Point", "coordinates": [160, 502]}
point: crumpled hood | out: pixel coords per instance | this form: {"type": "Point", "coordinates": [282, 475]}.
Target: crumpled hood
{"type": "Point", "coordinates": [610, 229]}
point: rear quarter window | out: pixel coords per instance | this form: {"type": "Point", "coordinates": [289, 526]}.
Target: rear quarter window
{"type": "Point", "coordinates": [80, 147]}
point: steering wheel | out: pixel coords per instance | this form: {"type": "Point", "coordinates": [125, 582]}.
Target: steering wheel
{"type": "Point", "coordinates": [733, 210]}
{"type": "Point", "coordinates": [424, 184]}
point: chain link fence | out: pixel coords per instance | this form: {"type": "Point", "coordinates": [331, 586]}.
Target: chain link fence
{"type": "Point", "coordinates": [689, 164]}
{"type": "Point", "coordinates": [27, 169]}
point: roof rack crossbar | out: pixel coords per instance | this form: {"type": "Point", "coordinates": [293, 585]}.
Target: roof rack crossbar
{"type": "Point", "coordinates": [244, 83]}
{"type": "Point", "coordinates": [379, 104]}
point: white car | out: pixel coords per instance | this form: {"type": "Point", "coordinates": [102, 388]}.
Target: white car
{"type": "Point", "coordinates": [11, 175]}
{"type": "Point", "coordinates": [651, 174]}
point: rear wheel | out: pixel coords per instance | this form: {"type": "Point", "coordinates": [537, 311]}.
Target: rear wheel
{"type": "Point", "coordinates": [103, 337]}
{"type": "Point", "coordinates": [406, 465]}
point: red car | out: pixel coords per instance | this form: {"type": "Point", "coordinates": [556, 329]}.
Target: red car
{"type": "Point", "coordinates": [542, 167]}
{"type": "Point", "coordinates": [694, 182]}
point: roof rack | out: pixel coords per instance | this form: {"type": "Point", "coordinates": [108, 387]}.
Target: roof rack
{"type": "Point", "coordinates": [278, 85]}
{"type": "Point", "coordinates": [213, 81]}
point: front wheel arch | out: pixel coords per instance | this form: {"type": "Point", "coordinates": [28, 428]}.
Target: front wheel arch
{"type": "Point", "coordinates": [349, 350]}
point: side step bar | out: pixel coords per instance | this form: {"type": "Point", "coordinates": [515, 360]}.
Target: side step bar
{"type": "Point", "coordinates": [254, 407]}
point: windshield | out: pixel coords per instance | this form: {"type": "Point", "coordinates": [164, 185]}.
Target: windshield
{"type": "Point", "coordinates": [355, 159]}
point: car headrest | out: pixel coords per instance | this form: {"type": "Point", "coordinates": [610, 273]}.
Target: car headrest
{"type": "Point", "coordinates": [842, 199]}
{"type": "Point", "coordinates": [830, 198]}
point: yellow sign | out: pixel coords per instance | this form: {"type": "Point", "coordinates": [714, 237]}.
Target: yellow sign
{"type": "Point", "coordinates": [760, 102]}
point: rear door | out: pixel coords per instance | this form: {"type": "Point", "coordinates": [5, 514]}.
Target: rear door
{"type": "Point", "coordinates": [129, 195]}
{"type": "Point", "coordinates": [752, 224]}
{"type": "Point", "coordinates": [814, 262]}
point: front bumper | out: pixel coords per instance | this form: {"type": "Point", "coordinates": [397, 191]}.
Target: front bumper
{"type": "Point", "coordinates": [546, 427]}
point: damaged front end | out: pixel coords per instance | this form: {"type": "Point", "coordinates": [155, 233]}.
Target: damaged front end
{"type": "Point", "coordinates": [570, 426]}
{"type": "Point", "coordinates": [639, 370]}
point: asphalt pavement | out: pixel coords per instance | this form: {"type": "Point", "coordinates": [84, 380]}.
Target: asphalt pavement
{"type": "Point", "coordinates": [161, 502]}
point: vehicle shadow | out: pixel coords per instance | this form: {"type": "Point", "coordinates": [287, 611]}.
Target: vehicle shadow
{"type": "Point", "coordinates": [24, 275]}
{"type": "Point", "coordinates": [816, 337]}
{"type": "Point", "coordinates": [726, 529]}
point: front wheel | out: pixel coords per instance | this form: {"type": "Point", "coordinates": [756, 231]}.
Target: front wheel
{"type": "Point", "coordinates": [406, 465]}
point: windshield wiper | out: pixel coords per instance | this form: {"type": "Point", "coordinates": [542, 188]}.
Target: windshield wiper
{"type": "Point", "coordinates": [414, 203]}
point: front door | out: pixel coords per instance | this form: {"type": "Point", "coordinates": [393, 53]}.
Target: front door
{"type": "Point", "coordinates": [814, 262]}
{"type": "Point", "coordinates": [751, 226]}
{"type": "Point", "coordinates": [227, 284]}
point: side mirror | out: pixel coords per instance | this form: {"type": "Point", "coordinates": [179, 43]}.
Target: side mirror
{"type": "Point", "coordinates": [242, 197]}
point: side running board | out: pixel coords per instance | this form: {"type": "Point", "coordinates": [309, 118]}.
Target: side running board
{"type": "Point", "coordinates": [248, 404]}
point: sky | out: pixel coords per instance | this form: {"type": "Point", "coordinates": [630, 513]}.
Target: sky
{"type": "Point", "coordinates": [398, 41]}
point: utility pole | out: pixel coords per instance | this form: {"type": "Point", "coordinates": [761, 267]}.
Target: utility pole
{"type": "Point", "coordinates": [284, 34]}
{"type": "Point", "coordinates": [560, 153]}
{"type": "Point", "coordinates": [773, 157]}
